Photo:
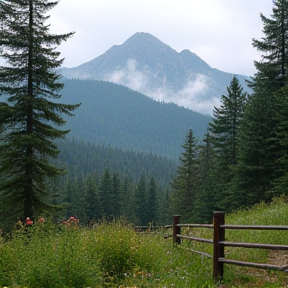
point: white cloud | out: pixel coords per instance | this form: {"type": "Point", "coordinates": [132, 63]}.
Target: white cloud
{"type": "Point", "coordinates": [130, 76]}
{"type": "Point", "coordinates": [190, 96]}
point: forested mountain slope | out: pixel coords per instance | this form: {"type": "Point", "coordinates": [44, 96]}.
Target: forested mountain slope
{"type": "Point", "coordinates": [117, 116]}
{"type": "Point", "coordinates": [80, 158]}
{"type": "Point", "coordinates": [102, 181]}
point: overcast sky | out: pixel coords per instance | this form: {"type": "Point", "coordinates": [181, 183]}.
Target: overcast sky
{"type": "Point", "coordinates": [218, 31]}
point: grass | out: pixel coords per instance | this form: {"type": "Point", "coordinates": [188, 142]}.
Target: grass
{"type": "Point", "coordinates": [113, 255]}
{"type": "Point", "coordinates": [274, 213]}
{"type": "Point", "coordinates": [109, 255]}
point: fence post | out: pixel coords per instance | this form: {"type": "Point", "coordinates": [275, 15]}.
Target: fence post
{"type": "Point", "coordinates": [176, 230]}
{"type": "Point", "coordinates": [218, 250]}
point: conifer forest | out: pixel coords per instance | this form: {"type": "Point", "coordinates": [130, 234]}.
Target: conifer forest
{"type": "Point", "coordinates": [241, 160]}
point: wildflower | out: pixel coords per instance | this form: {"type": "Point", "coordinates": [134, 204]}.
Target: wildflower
{"type": "Point", "coordinates": [72, 222]}
{"type": "Point", "coordinates": [29, 222]}
{"type": "Point", "coordinates": [41, 220]}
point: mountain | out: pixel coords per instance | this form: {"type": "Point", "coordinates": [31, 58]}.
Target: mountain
{"type": "Point", "coordinates": [84, 158]}
{"type": "Point", "coordinates": [147, 65]}
{"type": "Point", "coordinates": [116, 116]}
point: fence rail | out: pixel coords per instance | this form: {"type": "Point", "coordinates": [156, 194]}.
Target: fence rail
{"type": "Point", "coordinates": [197, 239]}
{"type": "Point", "coordinates": [219, 227]}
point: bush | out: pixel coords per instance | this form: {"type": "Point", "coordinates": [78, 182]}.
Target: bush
{"type": "Point", "coordinates": [109, 255]}
{"type": "Point", "coordinates": [117, 248]}
{"type": "Point", "coordinates": [46, 257]}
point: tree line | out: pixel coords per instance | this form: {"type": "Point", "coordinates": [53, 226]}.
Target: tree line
{"type": "Point", "coordinates": [243, 158]}
{"type": "Point", "coordinates": [110, 196]}
{"type": "Point", "coordinates": [79, 157]}
{"type": "Point", "coordinates": [241, 161]}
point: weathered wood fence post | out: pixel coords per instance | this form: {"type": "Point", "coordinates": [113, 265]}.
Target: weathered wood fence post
{"type": "Point", "coordinates": [176, 230]}
{"type": "Point", "coordinates": [218, 250]}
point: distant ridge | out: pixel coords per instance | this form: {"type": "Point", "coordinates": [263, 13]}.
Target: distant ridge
{"type": "Point", "coordinates": [145, 64]}
{"type": "Point", "coordinates": [116, 116]}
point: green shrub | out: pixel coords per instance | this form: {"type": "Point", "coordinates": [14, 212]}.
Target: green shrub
{"type": "Point", "coordinates": [113, 255]}
{"type": "Point", "coordinates": [46, 257]}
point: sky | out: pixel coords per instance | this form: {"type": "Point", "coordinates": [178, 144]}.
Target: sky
{"type": "Point", "coordinates": [218, 31]}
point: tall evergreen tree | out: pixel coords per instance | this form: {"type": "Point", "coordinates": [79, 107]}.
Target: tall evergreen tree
{"type": "Point", "coordinates": [207, 198]}
{"type": "Point", "coordinates": [165, 215]}
{"type": "Point", "coordinates": [272, 69]}
{"type": "Point", "coordinates": [184, 183]}
{"type": "Point", "coordinates": [260, 149]}
{"type": "Point", "coordinates": [141, 201]}
{"type": "Point", "coordinates": [256, 159]}
{"type": "Point", "coordinates": [224, 133]}
{"type": "Point", "coordinates": [68, 189]}
{"type": "Point", "coordinates": [92, 208]}
{"type": "Point", "coordinates": [30, 81]}
{"type": "Point", "coordinates": [118, 194]}
{"type": "Point", "coordinates": [106, 195]}
{"type": "Point", "coordinates": [281, 104]}
{"type": "Point", "coordinates": [225, 123]}
{"type": "Point", "coordinates": [128, 200]}
{"type": "Point", "coordinates": [152, 202]}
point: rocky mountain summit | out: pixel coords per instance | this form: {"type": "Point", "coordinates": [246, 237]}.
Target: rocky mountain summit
{"type": "Point", "coordinates": [147, 65]}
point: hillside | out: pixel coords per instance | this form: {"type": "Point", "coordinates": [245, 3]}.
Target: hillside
{"type": "Point", "coordinates": [84, 159]}
{"type": "Point", "coordinates": [115, 115]}
{"type": "Point", "coordinates": [147, 65]}
{"type": "Point", "coordinates": [272, 214]}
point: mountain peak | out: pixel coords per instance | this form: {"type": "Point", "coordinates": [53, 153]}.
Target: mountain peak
{"type": "Point", "coordinates": [194, 60]}
{"type": "Point", "coordinates": [147, 65]}
{"type": "Point", "coordinates": [143, 40]}
{"type": "Point", "coordinates": [141, 35]}
{"type": "Point", "coordinates": [186, 52]}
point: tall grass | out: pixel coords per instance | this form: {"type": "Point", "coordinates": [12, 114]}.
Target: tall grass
{"type": "Point", "coordinates": [109, 255]}
{"type": "Point", "coordinates": [113, 255]}
{"type": "Point", "coordinates": [274, 213]}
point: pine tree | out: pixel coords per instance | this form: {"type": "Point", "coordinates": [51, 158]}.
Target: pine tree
{"type": "Point", "coordinates": [260, 149]}
{"type": "Point", "coordinates": [224, 131]}
{"type": "Point", "coordinates": [32, 120]}
{"type": "Point", "coordinates": [258, 153]}
{"type": "Point", "coordinates": [106, 195]}
{"type": "Point", "coordinates": [152, 202]}
{"type": "Point", "coordinates": [141, 201]}
{"type": "Point", "coordinates": [129, 200]}
{"type": "Point", "coordinates": [281, 104]}
{"type": "Point", "coordinates": [207, 197]}
{"type": "Point", "coordinates": [184, 183]}
{"type": "Point", "coordinates": [68, 189]}
{"type": "Point", "coordinates": [272, 69]}
{"type": "Point", "coordinates": [118, 195]}
{"type": "Point", "coordinates": [225, 124]}
{"type": "Point", "coordinates": [92, 209]}
{"type": "Point", "coordinates": [165, 214]}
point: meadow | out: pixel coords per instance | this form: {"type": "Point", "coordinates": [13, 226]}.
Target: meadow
{"type": "Point", "coordinates": [112, 254]}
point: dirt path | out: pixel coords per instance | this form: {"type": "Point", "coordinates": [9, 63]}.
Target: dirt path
{"type": "Point", "coordinates": [279, 258]}
{"type": "Point", "coordinates": [276, 257]}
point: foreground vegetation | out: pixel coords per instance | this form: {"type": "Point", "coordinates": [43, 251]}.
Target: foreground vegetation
{"type": "Point", "coordinates": [107, 255]}
{"type": "Point", "coordinates": [261, 214]}
{"type": "Point", "coordinates": [114, 255]}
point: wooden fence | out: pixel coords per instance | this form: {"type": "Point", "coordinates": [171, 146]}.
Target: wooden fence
{"type": "Point", "coordinates": [219, 243]}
